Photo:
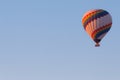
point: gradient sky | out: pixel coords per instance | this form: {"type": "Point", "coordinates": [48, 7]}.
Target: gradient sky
{"type": "Point", "coordinates": [45, 40]}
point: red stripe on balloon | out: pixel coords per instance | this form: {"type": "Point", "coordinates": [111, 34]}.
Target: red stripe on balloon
{"type": "Point", "coordinates": [100, 29]}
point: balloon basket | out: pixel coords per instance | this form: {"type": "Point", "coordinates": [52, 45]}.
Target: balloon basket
{"type": "Point", "coordinates": [97, 45]}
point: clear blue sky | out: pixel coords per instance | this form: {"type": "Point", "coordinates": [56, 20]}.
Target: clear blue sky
{"type": "Point", "coordinates": [45, 40]}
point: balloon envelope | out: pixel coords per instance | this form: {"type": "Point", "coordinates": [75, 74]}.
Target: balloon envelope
{"type": "Point", "coordinates": [97, 23]}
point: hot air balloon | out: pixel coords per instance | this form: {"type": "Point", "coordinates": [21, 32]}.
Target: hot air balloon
{"type": "Point", "coordinates": [97, 23]}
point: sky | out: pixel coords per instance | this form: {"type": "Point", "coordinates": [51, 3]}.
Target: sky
{"type": "Point", "coordinates": [45, 40]}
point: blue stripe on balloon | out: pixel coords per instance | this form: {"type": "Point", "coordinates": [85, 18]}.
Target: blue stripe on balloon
{"type": "Point", "coordinates": [102, 32]}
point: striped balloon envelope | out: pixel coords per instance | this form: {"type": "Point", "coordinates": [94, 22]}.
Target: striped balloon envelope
{"type": "Point", "coordinates": [97, 23]}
